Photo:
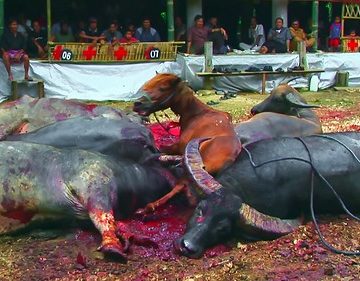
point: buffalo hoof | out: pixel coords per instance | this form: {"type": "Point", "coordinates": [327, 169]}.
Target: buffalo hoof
{"type": "Point", "coordinates": [113, 252]}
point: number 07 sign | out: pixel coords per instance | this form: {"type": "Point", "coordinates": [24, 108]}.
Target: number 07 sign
{"type": "Point", "coordinates": [152, 53]}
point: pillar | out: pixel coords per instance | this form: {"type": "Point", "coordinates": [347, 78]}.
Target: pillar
{"type": "Point", "coordinates": [193, 8]}
{"type": "Point", "coordinates": [315, 19]}
{"type": "Point", "coordinates": [280, 9]}
{"type": "Point", "coordinates": [2, 14]}
{"type": "Point", "coordinates": [170, 20]}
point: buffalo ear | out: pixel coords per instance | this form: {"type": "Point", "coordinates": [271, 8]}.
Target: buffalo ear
{"type": "Point", "coordinates": [295, 101]}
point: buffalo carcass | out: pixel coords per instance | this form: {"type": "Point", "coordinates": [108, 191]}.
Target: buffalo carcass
{"type": "Point", "coordinates": [115, 136]}
{"type": "Point", "coordinates": [28, 114]}
{"type": "Point", "coordinates": [277, 191]}
{"type": "Point", "coordinates": [39, 181]}
{"type": "Point", "coordinates": [284, 113]}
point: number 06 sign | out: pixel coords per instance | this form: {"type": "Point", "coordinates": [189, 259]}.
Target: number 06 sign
{"type": "Point", "coordinates": [66, 55]}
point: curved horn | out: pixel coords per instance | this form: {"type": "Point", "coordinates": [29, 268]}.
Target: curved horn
{"type": "Point", "coordinates": [254, 222]}
{"type": "Point", "coordinates": [295, 101]}
{"type": "Point", "coordinates": [195, 166]}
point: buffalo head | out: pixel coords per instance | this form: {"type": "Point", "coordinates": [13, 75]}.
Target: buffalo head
{"type": "Point", "coordinates": [222, 212]}
{"type": "Point", "coordinates": [283, 99]}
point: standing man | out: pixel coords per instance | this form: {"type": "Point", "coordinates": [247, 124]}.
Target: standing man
{"type": "Point", "coordinates": [278, 39]}
{"type": "Point", "coordinates": [257, 36]}
{"type": "Point", "coordinates": [13, 45]}
{"type": "Point", "coordinates": [146, 33]}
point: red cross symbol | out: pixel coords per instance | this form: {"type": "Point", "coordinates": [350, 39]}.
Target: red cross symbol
{"type": "Point", "coordinates": [89, 52]}
{"type": "Point", "coordinates": [120, 53]}
{"type": "Point", "coordinates": [147, 52]}
{"type": "Point", "coordinates": [57, 52]}
{"type": "Point", "coordinates": [353, 45]}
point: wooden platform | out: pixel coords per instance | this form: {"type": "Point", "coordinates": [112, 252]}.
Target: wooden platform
{"type": "Point", "coordinates": [264, 74]}
{"type": "Point", "coordinates": [39, 85]}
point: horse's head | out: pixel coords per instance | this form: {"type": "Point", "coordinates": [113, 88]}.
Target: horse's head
{"type": "Point", "coordinates": [157, 94]}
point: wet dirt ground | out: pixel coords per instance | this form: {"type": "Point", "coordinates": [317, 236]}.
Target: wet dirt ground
{"type": "Point", "coordinates": [68, 252]}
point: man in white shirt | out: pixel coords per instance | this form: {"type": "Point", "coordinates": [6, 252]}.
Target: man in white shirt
{"type": "Point", "coordinates": [256, 33]}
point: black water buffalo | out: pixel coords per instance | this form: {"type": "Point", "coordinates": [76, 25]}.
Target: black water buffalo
{"type": "Point", "coordinates": [39, 181]}
{"type": "Point", "coordinates": [284, 113]}
{"type": "Point", "coordinates": [28, 114]}
{"type": "Point", "coordinates": [117, 137]}
{"type": "Point", "coordinates": [279, 189]}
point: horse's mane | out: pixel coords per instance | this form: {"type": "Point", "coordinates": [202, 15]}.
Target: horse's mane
{"type": "Point", "coordinates": [161, 79]}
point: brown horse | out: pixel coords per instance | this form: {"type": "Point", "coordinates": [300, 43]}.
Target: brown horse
{"type": "Point", "coordinates": [197, 120]}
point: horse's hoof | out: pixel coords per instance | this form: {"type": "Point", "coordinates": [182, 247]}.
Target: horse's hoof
{"type": "Point", "coordinates": [113, 252]}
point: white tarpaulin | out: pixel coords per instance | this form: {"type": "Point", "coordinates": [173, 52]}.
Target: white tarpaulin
{"type": "Point", "coordinates": [88, 81]}
{"type": "Point", "coordinates": [330, 62]}
{"type": "Point", "coordinates": [121, 81]}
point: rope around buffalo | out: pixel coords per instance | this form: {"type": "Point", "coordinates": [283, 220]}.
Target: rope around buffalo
{"type": "Point", "coordinates": [322, 239]}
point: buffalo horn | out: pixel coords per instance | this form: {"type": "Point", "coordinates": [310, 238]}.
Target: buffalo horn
{"type": "Point", "coordinates": [195, 167]}
{"type": "Point", "coordinates": [294, 100]}
{"type": "Point", "coordinates": [254, 222]}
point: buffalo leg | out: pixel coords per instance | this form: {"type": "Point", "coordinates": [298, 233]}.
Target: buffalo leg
{"type": "Point", "coordinates": [105, 223]}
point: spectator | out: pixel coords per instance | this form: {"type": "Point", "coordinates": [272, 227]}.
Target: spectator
{"type": "Point", "coordinates": [352, 34]}
{"type": "Point", "coordinates": [298, 35]}
{"type": "Point", "coordinates": [257, 36]}
{"type": "Point", "coordinates": [218, 36]}
{"type": "Point", "coordinates": [92, 33]}
{"type": "Point", "coordinates": [13, 45]}
{"type": "Point", "coordinates": [37, 41]}
{"type": "Point", "coordinates": [197, 36]}
{"type": "Point", "coordinates": [146, 33]}
{"type": "Point", "coordinates": [56, 27]}
{"type": "Point", "coordinates": [278, 39]}
{"type": "Point", "coordinates": [132, 28]}
{"type": "Point", "coordinates": [180, 29]}
{"type": "Point", "coordinates": [335, 34]}
{"type": "Point", "coordinates": [128, 38]}
{"type": "Point", "coordinates": [65, 34]}
{"type": "Point", "coordinates": [112, 34]}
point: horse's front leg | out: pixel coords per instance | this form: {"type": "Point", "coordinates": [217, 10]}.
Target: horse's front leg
{"type": "Point", "coordinates": [173, 149]}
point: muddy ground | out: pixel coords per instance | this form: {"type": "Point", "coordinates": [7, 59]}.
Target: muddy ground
{"type": "Point", "coordinates": [66, 251]}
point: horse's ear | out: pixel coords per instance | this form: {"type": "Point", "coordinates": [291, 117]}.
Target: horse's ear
{"type": "Point", "coordinates": [177, 81]}
{"type": "Point", "coordinates": [156, 72]}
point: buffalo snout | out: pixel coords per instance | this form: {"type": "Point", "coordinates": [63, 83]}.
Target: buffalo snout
{"type": "Point", "coordinates": [187, 248]}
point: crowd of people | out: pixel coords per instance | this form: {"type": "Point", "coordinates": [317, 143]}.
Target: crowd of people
{"type": "Point", "coordinates": [29, 39]}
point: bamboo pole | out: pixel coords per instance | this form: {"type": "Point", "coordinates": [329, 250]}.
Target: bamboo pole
{"type": "Point", "coordinates": [48, 12]}
{"type": "Point", "coordinates": [315, 20]}
{"type": "Point", "coordinates": [170, 20]}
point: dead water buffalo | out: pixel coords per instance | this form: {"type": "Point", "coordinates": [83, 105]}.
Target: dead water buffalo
{"type": "Point", "coordinates": [27, 114]}
{"type": "Point", "coordinates": [284, 113]}
{"type": "Point", "coordinates": [39, 181]}
{"type": "Point", "coordinates": [279, 189]}
{"type": "Point", "coordinates": [117, 137]}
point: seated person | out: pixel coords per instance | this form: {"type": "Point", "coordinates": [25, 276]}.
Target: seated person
{"type": "Point", "coordinates": [112, 34]}
{"type": "Point", "coordinates": [92, 34]}
{"type": "Point", "coordinates": [146, 33]}
{"type": "Point", "coordinates": [278, 39]}
{"type": "Point", "coordinates": [257, 35]}
{"type": "Point", "coordinates": [64, 35]}
{"type": "Point", "coordinates": [13, 45]}
{"type": "Point", "coordinates": [37, 41]}
{"type": "Point", "coordinates": [298, 35]}
{"type": "Point", "coordinates": [218, 36]}
{"type": "Point", "coordinates": [128, 38]}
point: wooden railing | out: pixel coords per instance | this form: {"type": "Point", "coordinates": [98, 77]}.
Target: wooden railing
{"type": "Point", "coordinates": [119, 52]}
{"type": "Point", "coordinates": [350, 44]}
